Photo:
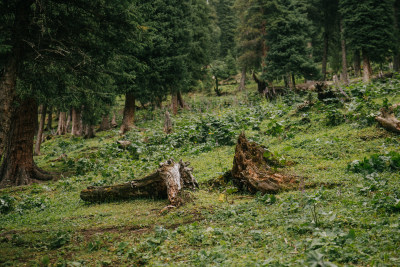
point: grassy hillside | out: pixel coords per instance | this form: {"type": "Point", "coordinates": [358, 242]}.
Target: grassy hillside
{"type": "Point", "coordinates": [346, 212]}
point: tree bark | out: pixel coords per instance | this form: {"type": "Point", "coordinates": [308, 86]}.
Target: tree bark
{"type": "Point", "coordinates": [168, 181]}
{"type": "Point", "coordinates": [357, 63]}
{"type": "Point", "coordinates": [68, 124]}
{"type": "Point", "coordinates": [9, 75]}
{"type": "Point", "coordinates": [129, 114]}
{"type": "Point", "coordinates": [181, 103]}
{"type": "Point", "coordinates": [367, 71]}
{"type": "Point", "coordinates": [293, 82]}
{"type": "Point", "coordinates": [388, 120]}
{"type": "Point", "coordinates": [18, 167]}
{"type": "Point", "coordinates": [174, 103]}
{"type": "Point", "coordinates": [105, 123]}
{"type": "Point", "coordinates": [254, 169]}
{"type": "Point", "coordinates": [242, 85]}
{"type": "Point", "coordinates": [40, 130]}
{"type": "Point", "coordinates": [62, 124]}
{"type": "Point", "coordinates": [167, 123]}
{"type": "Point", "coordinates": [345, 78]}
{"type": "Point", "coordinates": [114, 121]}
{"type": "Point", "coordinates": [325, 55]}
{"type": "Point", "coordinates": [76, 122]}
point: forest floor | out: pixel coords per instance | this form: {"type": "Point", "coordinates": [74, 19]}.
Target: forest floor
{"type": "Point", "coordinates": [347, 212]}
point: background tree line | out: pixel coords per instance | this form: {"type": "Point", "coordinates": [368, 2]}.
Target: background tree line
{"type": "Point", "coordinates": [73, 59]}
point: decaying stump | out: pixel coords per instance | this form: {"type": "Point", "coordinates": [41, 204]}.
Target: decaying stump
{"type": "Point", "coordinates": [254, 169]}
{"type": "Point", "coordinates": [167, 123]}
{"type": "Point", "coordinates": [168, 181]}
{"type": "Point", "coordinates": [388, 120]}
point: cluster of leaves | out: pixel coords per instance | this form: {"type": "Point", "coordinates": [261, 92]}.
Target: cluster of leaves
{"type": "Point", "coordinates": [376, 163]}
{"type": "Point", "coordinates": [24, 203]}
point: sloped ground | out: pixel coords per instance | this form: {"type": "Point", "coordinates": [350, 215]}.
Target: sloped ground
{"type": "Point", "coordinates": [346, 212]}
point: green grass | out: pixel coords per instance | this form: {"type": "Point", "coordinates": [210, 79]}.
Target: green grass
{"type": "Point", "coordinates": [338, 216]}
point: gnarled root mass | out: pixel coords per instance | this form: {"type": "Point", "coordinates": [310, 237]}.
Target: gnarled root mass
{"type": "Point", "coordinates": [388, 120]}
{"type": "Point", "coordinates": [168, 181]}
{"type": "Point", "coordinates": [254, 169]}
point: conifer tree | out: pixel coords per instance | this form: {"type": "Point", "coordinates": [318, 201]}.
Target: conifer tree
{"type": "Point", "coordinates": [368, 27]}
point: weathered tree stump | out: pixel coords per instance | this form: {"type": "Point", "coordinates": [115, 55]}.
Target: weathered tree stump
{"type": "Point", "coordinates": [254, 169]}
{"type": "Point", "coordinates": [388, 120]}
{"type": "Point", "coordinates": [168, 181]}
{"type": "Point", "coordinates": [167, 123]}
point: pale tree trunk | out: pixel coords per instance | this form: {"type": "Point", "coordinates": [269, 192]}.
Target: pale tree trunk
{"type": "Point", "coordinates": [114, 121]}
{"type": "Point", "coordinates": [68, 124]}
{"type": "Point", "coordinates": [242, 85]}
{"type": "Point", "coordinates": [357, 63]}
{"type": "Point", "coordinates": [18, 167]}
{"type": "Point", "coordinates": [174, 103]}
{"type": "Point", "coordinates": [129, 114]}
{"type": "Point", "coordinates": [167, 123]}
{"type": "Point", "coordinates": [40, 130]}
{"type": "Point", "coordinates": [105, 123]}
{"type": "Point", "coordinates": [76, 122]}
{"type": "Point", "coordinates": [367, 70]}
{"type": "Point", "coordinates": [62, 124]}
{"type": "Point", "coordinates": [325, 56]}
{"type": "Point", "coordinates": [345, 78]}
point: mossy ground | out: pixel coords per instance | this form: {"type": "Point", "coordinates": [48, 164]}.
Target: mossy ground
{"type": "Point", "coordinates": [335, 219]}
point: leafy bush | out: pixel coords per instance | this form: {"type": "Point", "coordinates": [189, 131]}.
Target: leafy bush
{"type": "Point", "coordinates": [6, 204]}
{"type": "Point", "coordinates": [334, 116]}
{"type": "Point", "coordinates": [376, 163]}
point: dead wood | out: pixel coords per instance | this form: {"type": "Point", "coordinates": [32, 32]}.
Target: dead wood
{"type": "Point", "coordinates": [168, 181]}
{"type": "Point", "coordinates": [255, 169]}
{"type": "Point", "coordinates": [388, 120]}
{"type": "Point", "coordinates": [167, 123]}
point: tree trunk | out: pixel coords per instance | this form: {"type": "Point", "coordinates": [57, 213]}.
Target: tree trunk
{"type": "Point", "coordinates": [254, 169]}
{"type": "Point", "coordinates": [40, 130]}
{"type": "Point", "coordinates": [345, 78]}
{"type": "Point", "coordinates": [181, 103]}
{"type": "Point", "coordinates": [9, 73]}
{"type": "Point", "coordinates": [174, 102]}
{"type": "Point", "coordinates": [68, 124]}
{"type": "Point", "coordinates": [167, 123]}
{"type": "Point", "coordinates": [62, 124]}
{"type": "Point", "coordinates": [105, 123]}
{"type": "Point", "coordinates": [89, 132]}
{"type": "Point", "coordinates": [388, 120]}
{"type": "Point", "coordinates": [129, 113]}
{"type": "Point", "coordinates": [18, 167]}
{"type": "Point", "coordinates": [242, 85]}
{"type": "Point", "coordinates": [261, 85]}
{"type": "Point", "coordinates": [168, 181]}
{"type": "Point", "coordinates": [114, 121]}
{"type": "Point", "coordinates": [76, 122]}
{"type": "Point", "coordinates": [7, 92]}
{"type": "Point", "coordinates": [325, 55]}
{"type": "Point", "coordinates": [367, 71]}
{"type": "Point", "coordinates": [293, 82]}
{"type": "Point", "coordinates": [50, 119]}
{"type": "Point", "coordinates": [357, 64]}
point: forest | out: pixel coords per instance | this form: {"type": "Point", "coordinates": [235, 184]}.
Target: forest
{"type": "Point", "coordinates": [199, 133]}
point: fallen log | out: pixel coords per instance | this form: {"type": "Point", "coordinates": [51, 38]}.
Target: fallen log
{"type": "Point", "coordinates": [255, 169]}
{"type": "Point", "coordinates": [388, 120]}
{"type": "Point", "coordinates": [168, 181]}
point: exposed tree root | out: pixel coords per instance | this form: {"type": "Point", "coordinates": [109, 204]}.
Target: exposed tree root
{"type": "Point", "coordinates": [388, 120]}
